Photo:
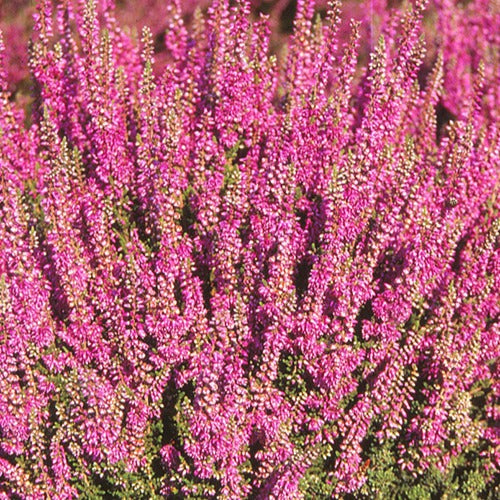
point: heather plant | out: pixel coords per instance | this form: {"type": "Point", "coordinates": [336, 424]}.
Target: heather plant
{"type": "Point", "coordinates": [245, 274]}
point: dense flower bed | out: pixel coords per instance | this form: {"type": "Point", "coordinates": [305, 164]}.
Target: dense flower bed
{"type": "Point", "coordinates": [250, 272]}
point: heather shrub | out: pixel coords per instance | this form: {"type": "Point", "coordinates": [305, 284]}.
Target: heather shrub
{"type": "Point", "coordinates": [248, 272]}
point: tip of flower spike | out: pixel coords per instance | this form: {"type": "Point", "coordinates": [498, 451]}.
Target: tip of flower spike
{"type": "Point", "coordinates": [3, 73]}
{"type": "Point", "coordinates": [43, 20]}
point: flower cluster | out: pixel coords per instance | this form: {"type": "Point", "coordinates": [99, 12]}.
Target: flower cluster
{"type": "Point", "coordinates": [251, 273]}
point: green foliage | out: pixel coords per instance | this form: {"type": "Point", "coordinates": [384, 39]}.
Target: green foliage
{"type": "Point", "coordinates": [292, 377]}
{"type": "Point", "coordinates": [319, 481]}
{"type": "Point", "coordinates": [466, 478]}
